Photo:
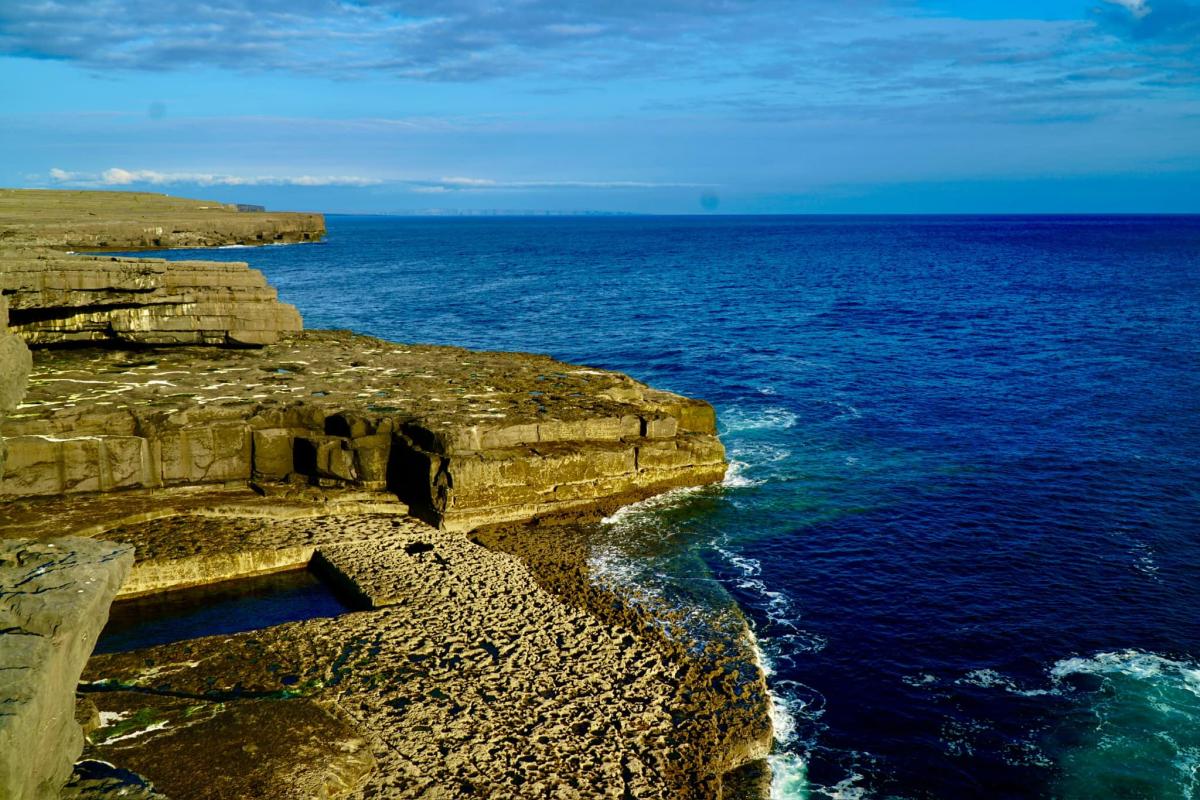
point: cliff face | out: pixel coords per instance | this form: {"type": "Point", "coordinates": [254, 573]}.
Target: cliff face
{"type": "Point", "coordinates": [60, 299]}
{"type": "Point", "coordinates": [66, 299]}
{"type": "Point", "coordinates": [465, 438]}
{"type": "Point", "coordinates": [339, 436]}
{"type": "Point", "coordinates": [54, 599]}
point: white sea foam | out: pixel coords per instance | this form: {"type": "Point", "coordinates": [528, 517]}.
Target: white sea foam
{"type": "Point", "coordinates": [1144, 723]}
{"type": "Point", "coordinates": [991, 679]}
{"type": "Point", "coordinates": [736, 477]}
{"type": "Point", "coordinates": [846, 789]}
{"type": "Point", "coordinates": [923, 679]}
{"type": "Point", "coordinates": [789, 777]}
{"type": "Point", "coordinates": [1132, 663]}
{"type": "Point", "coordinates": [845, 410]}
{"type": "Point", "coordinates": [767, 419]}
{"type": "Point", "coordinates": [235, 247]}
{"type": "Point", "coordinates": [651, 504]}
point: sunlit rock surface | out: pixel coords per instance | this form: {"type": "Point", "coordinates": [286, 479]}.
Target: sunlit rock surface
{"type": "Point", "coordinates": [54, 599]}
{"type": "Point", "coordinates": [464, 438]}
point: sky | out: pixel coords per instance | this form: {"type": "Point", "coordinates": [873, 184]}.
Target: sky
{"type": "Point", "coordinates": [643, 106]}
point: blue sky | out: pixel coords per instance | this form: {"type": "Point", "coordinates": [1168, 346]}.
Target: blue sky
{"type": "Point", "coordinates": [662, 106]}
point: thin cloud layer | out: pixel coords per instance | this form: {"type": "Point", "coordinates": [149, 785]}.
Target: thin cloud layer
{"type": "Point", "coordinates": [117, 176]}
{"type": "Point", "coordinates": [453, 40]}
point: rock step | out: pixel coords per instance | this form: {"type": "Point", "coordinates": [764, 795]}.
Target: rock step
{"type": "Point", "coordinates": [464, 438]}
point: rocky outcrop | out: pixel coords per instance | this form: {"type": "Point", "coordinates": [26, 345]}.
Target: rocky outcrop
{"type": "Point", "coordinates": [54, 599]}
{"type": "Point", "coordinates": [58, 299]}
{"type": "Point", "coordinates": [63, 299]}
{"type": "Point", "coordinates": [89, 220]}
{"type": "Point", "coordinates": [465, 438]}
{"type": "Point", "coordinates": [15, 363]}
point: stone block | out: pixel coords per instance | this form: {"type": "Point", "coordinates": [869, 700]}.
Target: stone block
{"type": "Point", "coordinates": [54, 600]}
{"type": "Point", "coordinates": [273, 454]}
{"type": "Point", "coordinates": [326, 457]}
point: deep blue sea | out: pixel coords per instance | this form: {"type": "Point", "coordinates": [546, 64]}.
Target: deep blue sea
{"type": "Point", "coordinates": [964, 509]}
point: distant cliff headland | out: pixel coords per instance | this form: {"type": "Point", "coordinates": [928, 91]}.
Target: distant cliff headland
{"type": "Point", "coordinates": [170, 424]}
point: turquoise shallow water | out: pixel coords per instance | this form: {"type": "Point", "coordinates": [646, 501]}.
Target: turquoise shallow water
{"type": "Point", "coordinates": [964, 512]}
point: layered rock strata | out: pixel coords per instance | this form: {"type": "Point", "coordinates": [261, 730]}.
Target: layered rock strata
{"type": "Point", "coordinates": [474, 673]}
{"type": "Point", "coordinates": [54, 600]}
{"type": "Point", "coordinates": [464, 438]}
{"type": "Point", "coordinates": [60, 299]}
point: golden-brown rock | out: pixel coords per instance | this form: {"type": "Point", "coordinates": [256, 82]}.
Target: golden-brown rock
{"type": "Point", "coordinates": [464, 438]}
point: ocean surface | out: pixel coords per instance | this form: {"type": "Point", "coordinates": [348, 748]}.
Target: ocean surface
{"type": "Point", "coordinates": [964, 510]}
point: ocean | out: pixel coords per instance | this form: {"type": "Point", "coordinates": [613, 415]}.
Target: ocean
{"type": "Point", "coordinates": [963, 514]}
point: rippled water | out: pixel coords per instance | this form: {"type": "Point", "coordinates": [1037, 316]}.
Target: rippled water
{"type": "Point", "coordinates": [964, 513]}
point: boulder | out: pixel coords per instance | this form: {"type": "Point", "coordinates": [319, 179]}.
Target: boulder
{"type": "Point", "coordinates": [15, 363]}
{"type": "Point", "coordinates": [54, 600]}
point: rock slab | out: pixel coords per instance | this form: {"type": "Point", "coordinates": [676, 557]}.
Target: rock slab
{"type": "Point", "coordinates": [15, 363]}
{"type": "Point", "coordinates": [54, 600]}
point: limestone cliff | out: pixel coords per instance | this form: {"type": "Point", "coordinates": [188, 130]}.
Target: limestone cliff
{"type": "Point", "coordinates": [67, 299]}
{"type": "Point", "coordinates": [59, 299]}
{"type": "Point", "coordinates": [54, 599]}
{"type": "Point", "coordinates": [213, 461]}
{"type": "Point", "coordinates": [465, 438]}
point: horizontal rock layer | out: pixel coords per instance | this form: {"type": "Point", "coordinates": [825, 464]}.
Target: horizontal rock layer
{"type": "Point", "coordinates": [64, 299]}
{"type": "Point", "coordinates": [465, 438]}
{"type": "Point", "coordinates": [54, 600]}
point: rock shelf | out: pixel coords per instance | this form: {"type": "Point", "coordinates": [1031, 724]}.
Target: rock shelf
{"type": "Point", "coordinates": [91, 220]}
{"type": "Point", "coordinates": [60, 299]}
{"type": "Point", "coordinates": [467, 679]}
{"type": "Point", "coordinates": [464, 438]}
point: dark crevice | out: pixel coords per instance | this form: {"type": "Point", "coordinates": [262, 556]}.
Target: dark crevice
{"type": "Point", "coordinates": [30, 316]}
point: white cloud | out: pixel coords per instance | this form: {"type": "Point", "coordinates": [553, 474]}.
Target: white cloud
{"type": "Point", "coordinates": [1139, 8]}
{"type": "Point", "coordinates": [116, 176]}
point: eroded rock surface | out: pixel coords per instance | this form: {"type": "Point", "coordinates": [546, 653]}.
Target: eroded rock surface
{"type": "Point", "coordinates": [54, 599]}
{"type": "Point", "coordinates": [465, 438]}
{"type": "Point", "coordinates": [468, 679]}
{"type": "Point", "coordinates": [15, 364]}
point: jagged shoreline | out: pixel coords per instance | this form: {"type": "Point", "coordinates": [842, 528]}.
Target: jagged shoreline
{"type": "Point", "coordinates": [344, 451]}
